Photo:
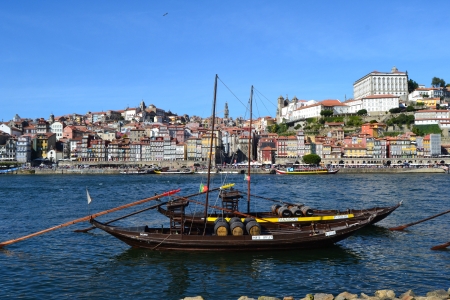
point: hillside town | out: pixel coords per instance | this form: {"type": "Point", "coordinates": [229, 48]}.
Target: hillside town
{"type": "Point", "coordinates": [361, 130]}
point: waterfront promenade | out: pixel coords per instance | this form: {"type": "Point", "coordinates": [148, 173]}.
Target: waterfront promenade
{"type": "Point", "coordinates": [85, 169]}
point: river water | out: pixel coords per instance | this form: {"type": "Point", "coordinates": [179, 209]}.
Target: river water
{"type": "Point", "coordinates": [62, 264]}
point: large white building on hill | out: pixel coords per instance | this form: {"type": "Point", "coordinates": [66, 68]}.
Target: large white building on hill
{"type": "Point", "coordinates": [382, 83]}
{"type": "Point", "coordinates": [377, 92]}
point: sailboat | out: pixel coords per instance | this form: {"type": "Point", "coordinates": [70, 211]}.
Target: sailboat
{"type": "Point", "coordinates": [236, 234]}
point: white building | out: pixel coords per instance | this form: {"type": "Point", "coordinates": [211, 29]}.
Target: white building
{"type": "Point", "coordinates": [131, 114]}
{"type": "Point", "coordinates": [10, 130]}
{"type": "Point", "coordinates": [382, 83]}
{"type": "Point", "coordinates": [422, 92]}
{"type": "Point", "coordinates": [353, 106]}
{"type": "Point", "coordinates": [287, 108]}
{"type": "Point", "coordinates": [57, 128]}
{"type": "Point", "coordinates": [379, 103]}
{"type": "Point", "coordinates": [309, 109]}
{"type": "Point", "coordinates": [433, 116]}
{"type": "Point", "coordinates": [23, 149]}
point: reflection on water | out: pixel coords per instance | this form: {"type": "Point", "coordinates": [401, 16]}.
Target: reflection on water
{"type": "Point", "coordinates": [183, 271]}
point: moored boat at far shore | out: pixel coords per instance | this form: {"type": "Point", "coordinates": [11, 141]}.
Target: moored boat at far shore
{"type": "Point", "coordinates": [174, 171]}
{"type": "Point", "coordinates": [307, 171]}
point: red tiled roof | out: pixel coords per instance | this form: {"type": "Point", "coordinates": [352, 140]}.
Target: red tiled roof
{"type": "Point", "coordinates": [331, 103]}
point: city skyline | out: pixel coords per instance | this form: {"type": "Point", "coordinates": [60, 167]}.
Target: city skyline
{"type": "Point", "coordinates": [66, 58]}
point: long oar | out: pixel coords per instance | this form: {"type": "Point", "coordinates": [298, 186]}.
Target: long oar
{"type": "Point", "coordinates": [441, 246]}
{"type": "Point", "coordinates": [88, 217]}
{"type": "Point", "coordinates": [142, 210]}
{"type": "Point", "coordinates": [414, 223]}
{"type": "Point", "coordinates": [123, 217]}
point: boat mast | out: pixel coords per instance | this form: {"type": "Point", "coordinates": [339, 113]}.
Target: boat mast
{"type": "Point", "coordinates": [249, 151]}
{"type": "Point", "coordinates": [210, 154]}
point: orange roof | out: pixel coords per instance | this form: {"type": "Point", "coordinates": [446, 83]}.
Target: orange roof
{"type": "Point", "coordinates": [331, 103]}
{"type": "Point", "coordinates": [380, 96]}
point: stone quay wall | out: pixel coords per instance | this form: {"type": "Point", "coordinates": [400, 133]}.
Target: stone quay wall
{"type": "Point", "coordinates": [117, 170]}
{"type": "Point", "coordinates": [379, 295]}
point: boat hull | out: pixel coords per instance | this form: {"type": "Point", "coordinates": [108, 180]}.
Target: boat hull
{"type": "Point", "coordinates": [307, 172]}
{"type": "Point", "coordinates": [316, 236]}
{"type": "Point", "coordinates": [174, 172]}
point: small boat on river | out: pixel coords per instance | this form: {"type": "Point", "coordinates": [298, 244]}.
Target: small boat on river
{"type": "Point", "coordinates": [174, 171]}
{"type": "Point", "coordinates": [221, 171]}
{"type": "Point", "coordinates": [137, 171]}
{"type": "Point", "coordinates": [307, 171]}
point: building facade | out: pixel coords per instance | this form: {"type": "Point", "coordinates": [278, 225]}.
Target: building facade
{"type": "Point", "coordinates": [382, 83]}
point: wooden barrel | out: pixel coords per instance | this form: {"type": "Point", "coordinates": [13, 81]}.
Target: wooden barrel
{"type": "Point", "coordinates": [234, 219]}
{"type": "Point", "coordinates": [307, 211]}
{"type": "Point", "coordinates": [221, 227]}
{"type": "Point", "coordinates": [296, 211]}
{"type": "Point", "coordinates": [252, 227]}
{"type": "Point", "coordinates": [275, 208]}
{"type": "Point", "coordinates": [284, 212]}
{"type": "Point", "coordinates": [236, 226]}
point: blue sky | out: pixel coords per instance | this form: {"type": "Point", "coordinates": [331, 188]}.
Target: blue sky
{"type": "Point", "coordinates": [65, 57]}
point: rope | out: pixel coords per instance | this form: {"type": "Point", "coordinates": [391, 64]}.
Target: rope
{"type": "Point", "coordinates": [161, 242]}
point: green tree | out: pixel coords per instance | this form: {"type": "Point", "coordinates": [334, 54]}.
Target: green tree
{"type": "Point", "coordinates": [410, 108]}
{"type": "Point", "coordinates": [326, 113]}
{"type": "Point", "coordinates": [412, 85]}
{"type": "Point", "coordinates": [426, 129]}
{"type": "Point", "coordinates": [282, 128]}
{"type": "Point", "coordinates": [273, 128]}
{"type": "Point", "coordinates": [311, 159]}
{"type": "Point", "coordinates": [362, 112]}
{"type": "Point", "coordinates": [437, 82]}
{"type": "Point", "coordinates": [416, 130]}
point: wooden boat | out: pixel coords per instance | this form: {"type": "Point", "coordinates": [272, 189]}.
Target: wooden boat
{"type": "Point", "coordinates": [221, 172]}
{"type": "Point", "coordinates": [138, 172]}
{"type": "Point", "coordinates": [292, 214]}
{"type": "Point", "coordinates": [174, 171]}
{"type": "Point", "coordinates": [312, 171]}
{"type": "Point", "coordinates": [235, 234]}
{"type": "Point", "coordinates": [196, 239]}
{"type": "Point", "coordinates": [10, 170]}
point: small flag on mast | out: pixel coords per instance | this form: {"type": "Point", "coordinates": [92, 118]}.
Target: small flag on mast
{"type": "Point", "coordinates": [88, 196]}
{"type": "Point", "coordinates": [203, 188]}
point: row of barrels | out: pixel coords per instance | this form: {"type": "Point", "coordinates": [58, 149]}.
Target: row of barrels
{"type": "Point", "coordinates": [297, 210]}
{"type": "Point", "coordinates": [236, 227]}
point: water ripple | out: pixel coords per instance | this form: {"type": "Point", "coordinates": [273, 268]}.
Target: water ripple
{"type": "Point", "coordinates": [65, 265]}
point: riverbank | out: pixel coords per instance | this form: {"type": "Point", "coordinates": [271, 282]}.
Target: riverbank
{"type": "Point", "coordinates": [379, 295]}
{"type": "Point", "coordinates": [106, 171]}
